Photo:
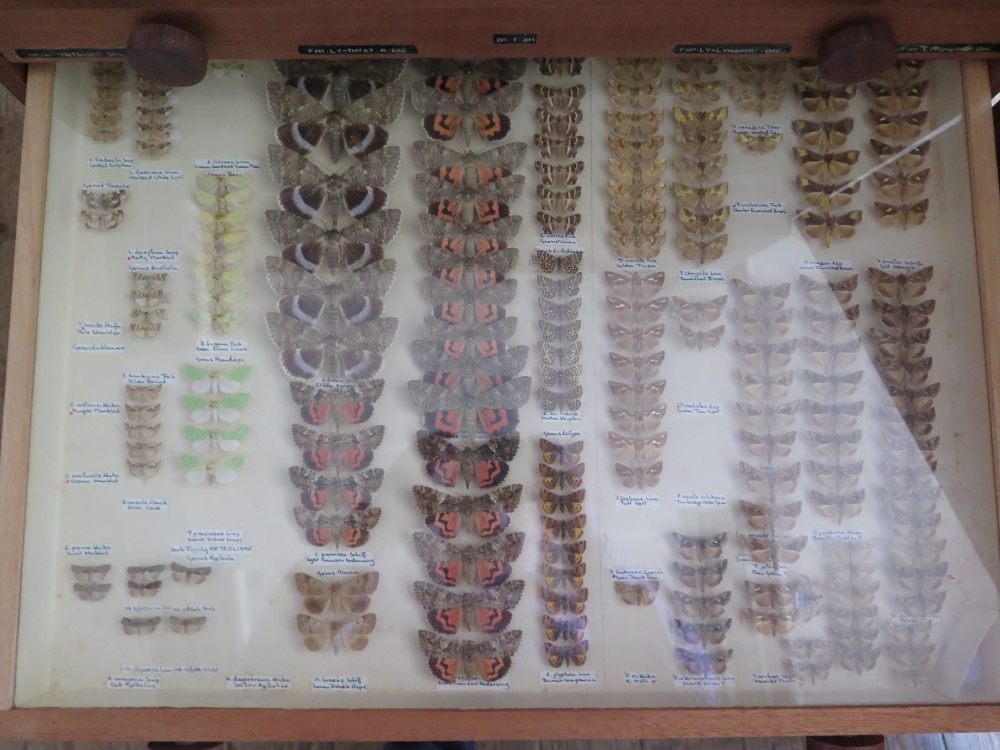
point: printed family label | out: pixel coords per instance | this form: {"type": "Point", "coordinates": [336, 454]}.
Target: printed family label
{"type": "Point", "coordinates": [111, 162]}
{"type": "Point", "coordinates": [227, 165]}
{"type": "Point", "coordinates": [257, 682]}
{"type": "Point", "coordinates": [234, 536]}
{"type": "Point", "coordinates": [98, 328]}
{"type": "Point", "coordinates": [899, 264]}
{"type": "Point", "coordinates": [640, 678]}
{"type": "Point", "coordinates": [341, 557]}
{"type": "Point", "coordinates": [844, 535]}
{"type": "Point", "coordinates": [571, 677]}
{"type": "Point", "coordinates": [758, 207]}
{"type": "Point", "coordinates": [700, 499]}
{"type": "Point", "coordinates": [765, 569]}
{"type": "Point", "coordinates": [773, 678]}
{"type": "Point", "coordinates": [704, 681]}
{"type": "Point", "coordinates": [93, 477]}
{"type": "Point", "coordinates": [133, 683]}
{"type": "Point", "coordinates": [560, 416]}
{"type": "Point", "coordinates": [105, 186]}
{"type": "Point", "coordinates": [166, 669]}
{"type": "Point", "coordinates": [152, 504]}
{"type": "Point", "coordinates": [557, 434]}
{"type": "Point", "coordinates": [98, 347]}
{"type": "Point", "coordinates": [478, 683]}
{"type": "Point", "coordinates": [156, 175]}
{"type": "Point", "coordinates": [732, 49]}
{"type": "Point", "coordinates": [702, 274]}
{"type": "Point", "coordinates": [637, 501]}
{"type": "Point", "coordinates": [90, 408]}
{"type": "Point", "coordinates": [87, 550]}
{"type": "Point", "coordinates": [148, 378]}
{"type": "Point", "coordinates": [698, 407]}
{"type": "Point", "coordinates": [826, 265]}
{"type": "Point", "coordinates": [636, 574]}
{"type": "Point", "coordinates": [761, 129]}
{"type": "Point", "coordinates": [341, 684]}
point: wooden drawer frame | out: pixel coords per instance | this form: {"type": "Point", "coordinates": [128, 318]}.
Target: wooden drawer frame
{"type": "Point", "coordinates": [301, 725]}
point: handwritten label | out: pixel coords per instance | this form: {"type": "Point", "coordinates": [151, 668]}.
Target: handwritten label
{"type": "Point", "coordinates": [760, 129]}
{"type": "Point", "coordinates": [341, 684]}
{"type": "Point", "coordinates": [153, 260]}
{"type": "Point", "coordinates": [227, 166]}
{"type": "Point", "coordinates": [700, 499]}
{"type": "Point", "coordinates": [478, 683]}
{"type": "Point", "coordinates": [89, 408]}
{"type": "Point", "coordinates": [556, 434]}
{"type": "Point", "coordinates": [636, 574]}
{"type": "Point", "coordinates": [911, 619]}
{"type": "Point", "coordinates": [87, 550]}
{"type": "Point", "coordinates": [558, 244]}
{"type": "Point", "coordinates": [640, 678]}
{"type": "Point", "coordinates": [148, 378]}
{"type": "Point", "coordinates": [111, 162]}
{"type": "Point", "coordinates": [93, 477]}
{"type": "Point", "coordinates": [637, 501]}
{"type": "Point", "coordinates": [845, 535]}
{"type": "Point", "coordinates": [773, 678]}
{"type": "Point", "coordinates": [758, 207]}
{"type": "Point", "coordinates": [826, 265]}
{"type": "Point", "coordinates": [704, 681]}
{"type": "Point", "coordinates": [211, 553]}
{"type": "Point", "coordinates": [560, 416]}
{"type": "Point", "coordinates": [105, 186]}
{"type": "Point", "coordinates": [257, 682]}
{"type": "Point", "coordinates": [698, 407]}
{"type": "Point", "coordinates": [98, 347]}
{"type": "Point", "coordinates": [764, 569]}
{"type": "Point", "coordinates": [899, 264]}
{"type": "Point", "coordinates": [571, 677]}
{"type": "Point", "coordinates": [156, 175]}
{"type": "Point", "coordinates": [220, 347]}
{"type": "Point", "coordinates": [167, 669]}
{"type": "Point", "coordinates": [702, 274]}
{"type": "Point", "coordinates": [152, 504]}
{"type": "Point", "coordinates": [342, 557]}
{"type": "Point", "coordinates": [133, 683]}
{"type": "Point", "coordinates": [185, 609]}
{"type": "Point", "coordinates": [636, 264]}
{"type": "Point", "coordinates": [234, 536]}
{"type": "Point", "coordinates": [98, 328]}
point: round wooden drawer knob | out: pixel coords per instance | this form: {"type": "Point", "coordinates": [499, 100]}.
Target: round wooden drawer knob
{"type": "Point", "coordinates": [857, 53]}
{"type": "Point", "coordinates": [167, 55]}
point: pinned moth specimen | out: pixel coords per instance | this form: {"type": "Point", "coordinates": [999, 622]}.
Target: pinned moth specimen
{"type": "Point", "coordinates": [467, 101]}
{"type": "Point", "coordinates": [565, 602]}
{"type": "Point", "coordinates": [190, 575]}
{"type": "Point", "coordinates": [701, 577]}
{"type": "Point", "coordinates": [571, 629]}
{"type": "Point", "coordinates": [560, 66]}
{"type": "Point", "coordinates": [703, 634]}
{"type": "Point", "coordinates": [488, 660]}
{"type": "Point", "coordinates": [342, 404]}
{"type": "Point", "coordinates": [90, 583]}
{"type": "Point", "coordinates": [186, 625]}
{"type": "Point", "coordinates": [467, 175]}
{"type": "Point", "coordinates": [349, 634]}
{"type": "Point", "coordinates": [486, 564]}
{"type": "Point", "coordinates": [488, 611]}
{"type": "Point", "coordinates": [353, 529]}
{"type": "Point", "coordinates": [338, 594]}
{"type": "Point", "coordinates": [702, 663]}
{"type": "Point", "coordinates": [222, 470]}
{"type": "Point", "coordinates": [486, 515]}
{"type": "Point", "coordinates": [484, 464]}
{"type": "Point", "coordinates": [139, 625]}
{"type": "Point", "coordinates": [454, 404]}
{"type": "Point", "coordinates": [638, 594]}
{"type": "Point", "coordinates": [352, 491]}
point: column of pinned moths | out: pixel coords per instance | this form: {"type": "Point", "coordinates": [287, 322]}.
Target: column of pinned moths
{"type": "Point", "coordinates": [154, 118]}
{"type": "Point", "coordinates": [110, 81]}
{"type": "Point", "coordinates": [471, 391]}
{"type": "Point", "coordinates": [700, 136]}
{"type": "Point", "coordinates": [759, 90]}
{"type": "Point", "coordinates": [910, 488]}
{"type": "Point", "coordinates": [898, 119]}
{"type": "Point", "coordinates": [765, 378]}
{"type": "Point", "coordinates": [142, 427]}
{"type": "Point", "coordinates": [334, 164]}
{"type": "Point", "coordinates": [824, 167]}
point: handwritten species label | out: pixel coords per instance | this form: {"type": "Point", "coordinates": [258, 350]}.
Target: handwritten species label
{"type": "Point", "coordinates": [637, 501]}
{"type": "Point", "coordinates": [703, 681]}
{"type": "Point", "coordinates": [211, 553]}
{"type": "Point", "coordinates": [232, 536]}
{"type": "Point", "coordinates": [761, 129]}
{"type": "Point", "coordinates": [773, 678]}
{"type": "Point", "coordinates": [636, 574]}
{"type": "Point", "coordinates": [341, 557]}
{"type": "Point", "coordinates": [569, 677]}
{"type": "Point", "coordinates": [341, 684]}
{"type": "Point", "coordinates": [87, 550]}
{"type": "Point", "coordinates": [156, 175]}
{"type": "Point", "coordinates": [89, 408]}
{"type": "Point", "coordinates": [148, 378]}
{"type": "Point", "coordinates": [111, 162]}
{"type": "Point", "coordinates": [167, 669]}
{"type": "Point", "coordinates": [220, 352]}
{"type": "Point", "coordinates": [105, 186]}
{"type": "Point", "coordinates": [636, 264]}
{"type": "Point", "coordinates": [98, 328]}
{"type": "Point", "coordinates": [898, 617]}
{"type": "Point", "coordinates": [640, 678]}
{"type": "Point", "coordinates": [764, 569]}
{"type": "Point", "coordinates": [899, 264]}
{"type": "Point", "coordinates": [758, 207]}
{"type": "Point", "coordinates": [183, 609]}
{"type": "Point", "coordinates": [845, 535]}
{"type": "Point", "coordinates": [98, 347]}
{"type": "Point", "coordinates": [153, 260]}
{"type": "Point", "coordinates": [257, 682]}
{"type": "Point", "coordinates": [702, 274]}
{"type": "Point", "coordinates": [826, 265]}
{"type": "Point", "coordinates": [698, 407]}
{"type": "Point", "coordinates": [93, 477]}
{"type": "Point", "coordinates": [133, 683]}
{"type": "Point", "coordinates": [464, 683]}
{"type": "Point", "coordinates": [557, 434]}
{"type": "Point", "coordinates": [557, 244]}
{"type": "Point", "coordinates": [560, 416]}
{"type": "Point", "coordinates": [701, 499]}
{"type": "Point", "coordinates": [152, 504]}
{"type": "Point", "coordinates": [226, 167]}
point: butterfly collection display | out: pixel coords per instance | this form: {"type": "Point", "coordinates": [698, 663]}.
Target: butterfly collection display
{"type": "Point", "coordinates": [222, 213]}
{"type": "Point", "coordinates": [110, 82]}
{"type": "Point", "coordinates": [154, 118]}
{"type": "Point", "coordinates": [826, 167]}
{"type": "Point", "coordinates": [215, 405]}
{"type": "Point", "coordinates": [701, 607]}
{"type": "Point", "coordinates": [562, 497]}
{"type": "Point", "coordinates": [142, 427]}
{"type": "Point", "coordinates": [347, 597]}
{"type": "Point", "coordinates": [759, 90]}
{"type": "Point", "coordinates": [899, 122]}
{"type": "Point", "coordinates": [558, 116]}
{"type": "Point", "coordinates": [561, 392]}
{"type": "Point", "coordinates": [103, 207]}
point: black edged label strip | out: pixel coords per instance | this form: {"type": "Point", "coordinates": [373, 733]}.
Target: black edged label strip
{"type": "Point", "coordinates": [916, 49]}
{"type": "Point", "coordinates": [357, 49]}
{"type": "Point", "coordinates": [70, 53]}
{"type": "Point", "coordinates": [732, 49]}
{"type": "Point", "coordinates": [515, 38]}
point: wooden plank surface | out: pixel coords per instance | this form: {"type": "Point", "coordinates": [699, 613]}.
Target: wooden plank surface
{"type": "Point", "coordinates": [11, 128]}
{"type": "Point", "coordinates": [21, 365]}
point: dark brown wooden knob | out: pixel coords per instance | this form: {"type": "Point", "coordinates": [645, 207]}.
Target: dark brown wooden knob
{"type": "Point", "coordinates": [167, 55]}
{"type": "Point", "coordinates": [857, 53]}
